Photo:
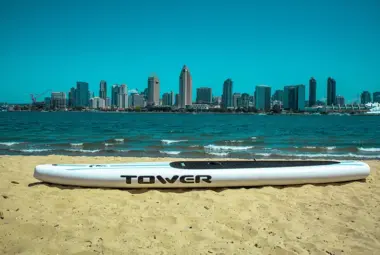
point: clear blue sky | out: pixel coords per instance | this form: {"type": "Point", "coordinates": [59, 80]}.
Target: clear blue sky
{"type": "Point", "coordinates": [53, 44]}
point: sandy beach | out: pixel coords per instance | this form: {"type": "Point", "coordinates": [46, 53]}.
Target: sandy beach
{"type": "Point", "coordinates": [37, 218]}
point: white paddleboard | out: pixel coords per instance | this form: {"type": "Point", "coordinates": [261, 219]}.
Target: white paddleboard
{"type": "Point", "coordinates": [192, 174]}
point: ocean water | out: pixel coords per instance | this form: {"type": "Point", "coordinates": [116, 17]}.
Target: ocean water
{"type": "Point", "coordinates": [189, 135]}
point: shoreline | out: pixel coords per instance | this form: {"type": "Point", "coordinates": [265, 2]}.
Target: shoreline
{"type": "Point", "coordinates": [39, 218]}
{"type": "Point", "coordinates": [332, 113]}
{"type": "Point", "coordinates": [174, 156]}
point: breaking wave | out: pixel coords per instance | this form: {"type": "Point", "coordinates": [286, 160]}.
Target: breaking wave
{"type": "Point", "coordinates": [170, 152]}
{"type": "Point", "coordinates": [369, 149]}
{"type": "Point", "coordinates": [82, 150]}
{"type": "Point", "coordinates": [9, 143]}
{"type": "Point", "coordinates": [34, 150]}
{"type": "Point", "coordinates": [221, 154]}
{"type": "Point", "coordinates": [76, 144]}
{"type": "Point", "coordinates": [212, 147]}
{"type": "Point", "coordinates": [172, 141]}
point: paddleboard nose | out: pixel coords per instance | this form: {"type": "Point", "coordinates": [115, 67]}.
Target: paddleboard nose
{"type": "Point", "coordinates": [40, 171]}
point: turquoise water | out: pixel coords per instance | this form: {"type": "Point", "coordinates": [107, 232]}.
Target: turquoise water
{"type": "Point", "coordinates": [189, 135]}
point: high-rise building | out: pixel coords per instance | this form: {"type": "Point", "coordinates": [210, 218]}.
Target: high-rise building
{"type": "Point", "coordinates": [236, 99]}
{"type": "Point", "coordinates": [122, 97]}
{"type": "Point", "coordinates": [137, 100]}
{"type": "Point", "coordinates": [312, 92]}
{"type": "Point", "coordinates": [130, 101]}
{"type": "Point", "coordinates": [204, 95]}
{"type": "Point", "coordinates": [227, 101]}
{"type": "Point", "coordinates": [278, 95]}
{"type": "Point", "coordinates": [285, 101]}
{"type": "Point", "coordinates": [114, 95]}
{"type": "Point", "coordinates": [301, 97]}
{"type": "Point", "coordinates": [365, 97]}
{"type": "Point", "coordinates": [177, 100]}
{"type": "Point", "coordinates": [103, 89]}
{"type": "Point", "coordinates": [244, 100]}
{"type": "Point", "coordinates": [82, 95]}
{"type": "Point", "coordinates": [294, 98]}
{"type": "Point", "coordinates": [108, 102]}
{"type": "Point", "coordinates": [340, 100]}
{"type": "Point", "coordinates": [123, 89]}
{"type": "Point", "coordinates": [185, 88]}
{"type": "Point", "coordinates": [331, 91]}
{"type": "Point", "coordinates": [167, 99]}
{"type": "Point", "coordinates": [172, 97]}
{"type": "Point", "coordinates": [72, 94]}
{"type": "Point", "coordinates": [153, 90]}
{"type": "Point", "coordinates": [58, 100]}
{"type": "Point", "coordinates": [145, 94]}
{"type": "Point", "coordinates": [47, 101]}
{"type": "Point", "coordinates": [97, 103]}
{"type": "Point", "coordinates": [262, 97]}
{"type": "Point", "coordinates": [376, 97]}
{"type": "Point", "coordinates": [217, 100]}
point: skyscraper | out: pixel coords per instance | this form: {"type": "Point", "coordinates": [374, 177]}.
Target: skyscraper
{"type": "Point", "coordinates": [103, 89]}
{"type": "Point", "coordinates": [244, 100]}
{"type": "Point", "coordinates": [300, 97]}
{"type": "Point", "coordinates": [340, 100]}
{"type": "Point", "coordinates": [185, 88]}
{"type": "Point", "coordinates": [82, 95]}
{"type": "Point", "coordinates": [227, 94]}
{"type": "Point", "coordinates": [365, 97]}
{"type": "Point", "coordinates": [122, 97]}
{"type": "Point", "coordinates": [294, 98]}
{"type": "Point", "coordinates": [114, 93]}
{"type": "Point", "coordinates": [58, 100]}
{"type": "Point", "coordinates": [145, 94]}
{"type": "Point", "coordinates": [72, 94]}
{"type": "Point", "coordinates": [167, 99]}
{"type": "Point", "coordinates": [47, 102]}
{"type": "Point", "coordinates": [262, 97]}
{"type": "Point", "coordinates": [235, 99]}
{"type": "Point", "coordinates": [331, 91]}
{"type": "Point", "coordinates": [153, 90]}
{"type": "Point", "coordinates": [204, 95]}
{"type": "Point", "coordinates": [97, 103]}
{"type": "Point", "coordinates": [376, 97]}
{"type": "Point", "coordinates": [285, 102]}
{"type": "Point", "coordinates": [137, 100]}
{"type": "Point", "coordinates": [176, 101]}
{"type": "Point", "coordinates": [312, 92]}
{"type": "Point", "coordinates": [172, 97]}
{"type": "Point", "coordinates": [278, 95]}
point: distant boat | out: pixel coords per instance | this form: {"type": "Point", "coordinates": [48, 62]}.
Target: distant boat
{"type": "Point", "coordinates": [374, 109]}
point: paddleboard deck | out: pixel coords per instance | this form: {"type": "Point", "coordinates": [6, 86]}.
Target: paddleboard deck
{"type": "Point", "coordinates": [183, 174]}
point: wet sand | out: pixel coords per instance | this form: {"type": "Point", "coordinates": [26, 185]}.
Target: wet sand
{"type": "Point", "coordinates": [38, 218]}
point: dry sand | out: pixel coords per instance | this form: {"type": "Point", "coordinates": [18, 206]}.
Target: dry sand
{"type": "Point", "coordinates": [308, 219]}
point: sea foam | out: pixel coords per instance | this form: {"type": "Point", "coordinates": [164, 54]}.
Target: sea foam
{"type": "Point", "coordinates": [369, 149]}
{"type": "Point", "coordinates": [172, 141]}
{"type": "Point", "coordinates": [9, 143]}
{"type": "Point", "coordinates": [212, 147]}
{"type": "Point", "coordinates": [170, 152]}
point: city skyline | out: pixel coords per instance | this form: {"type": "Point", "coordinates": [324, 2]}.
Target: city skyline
{"type": "Point", "coordinates": [104, 90]}
{"type": "Point", "coordinates": [292, 97]}
{"type": "Point", "coordinates": [51, 46]}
